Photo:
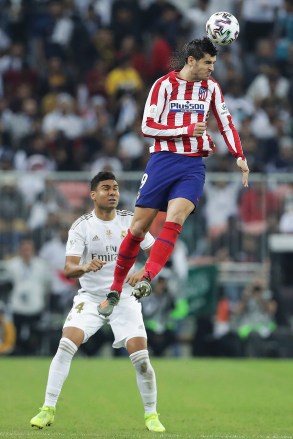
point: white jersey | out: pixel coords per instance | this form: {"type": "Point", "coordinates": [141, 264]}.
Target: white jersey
{"type": "Point", "coordinates": [89, 237]}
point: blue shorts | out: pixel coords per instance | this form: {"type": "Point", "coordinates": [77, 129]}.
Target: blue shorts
{"type": "Point", "coordinates": [168, 176]}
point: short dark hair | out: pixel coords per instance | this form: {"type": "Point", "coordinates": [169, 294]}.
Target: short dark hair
{"type": "Point", "coordinates": [101, 176]}
{"type": "Point", "coordinates": [196, 48]}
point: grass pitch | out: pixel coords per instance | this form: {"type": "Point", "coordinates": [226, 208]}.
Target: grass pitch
{"type": "Point", "coordinates": [207, 399]}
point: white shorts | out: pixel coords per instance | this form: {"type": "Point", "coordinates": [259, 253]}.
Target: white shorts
{"type": "Point", "coordinates": [126, 319]}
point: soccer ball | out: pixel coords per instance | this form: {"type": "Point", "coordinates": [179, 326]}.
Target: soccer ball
{"type": "Point", "coordinates": [222, 28]}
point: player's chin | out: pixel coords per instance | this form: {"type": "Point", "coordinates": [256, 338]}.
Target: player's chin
{"type": "Point", "coordinates": [113, 203]}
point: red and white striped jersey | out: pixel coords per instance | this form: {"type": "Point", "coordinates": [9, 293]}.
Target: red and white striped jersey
{"type": "Point", "coordinates": [174, 106]}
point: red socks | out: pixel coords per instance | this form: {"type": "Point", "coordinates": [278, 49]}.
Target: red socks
{"type": "Point", "coordinates": [162, 249]}
{"type": "Point", "coordinates": [160, 253]}
{"type": "Point", "coordinates": [128, 252]}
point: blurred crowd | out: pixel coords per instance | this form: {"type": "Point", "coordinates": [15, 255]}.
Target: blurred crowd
{"type": "Point", "coordinates": [74, 76]}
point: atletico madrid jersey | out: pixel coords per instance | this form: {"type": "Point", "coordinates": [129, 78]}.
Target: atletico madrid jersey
{"type": "Point", "coordinates": [174, 105]}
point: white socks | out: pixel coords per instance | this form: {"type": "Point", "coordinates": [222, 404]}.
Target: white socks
{"type": "Point", "coordinates": [60, 366]}
{"type": "Point", "coordinates": [146, 380]}
{"type": "Point", "coordinates": [59, 370]}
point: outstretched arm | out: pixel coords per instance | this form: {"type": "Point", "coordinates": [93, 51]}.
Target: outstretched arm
{"type": "Point", "coordinates": [229, 132]}
{"type": "Point", "coordinates": [225, 123]}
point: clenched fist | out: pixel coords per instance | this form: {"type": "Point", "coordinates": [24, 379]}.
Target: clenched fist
{"type": "Point", "coordinates": [94, 265]}
{"type": "Point", "coordinates": [199, 129]}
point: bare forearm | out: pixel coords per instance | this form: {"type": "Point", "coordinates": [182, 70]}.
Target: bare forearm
{"type": "Point", "coordinates": [74, 271]}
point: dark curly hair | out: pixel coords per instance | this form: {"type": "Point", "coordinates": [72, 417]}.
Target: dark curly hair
{"type": "Point", "coordinates": [196, 48]}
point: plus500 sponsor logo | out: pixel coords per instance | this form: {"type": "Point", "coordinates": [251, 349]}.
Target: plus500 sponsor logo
{"type": "Point", "coordinates": [187, 107]}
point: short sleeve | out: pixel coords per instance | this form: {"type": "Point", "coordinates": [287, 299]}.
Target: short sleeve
{"type": "Point", "coordinates": [75, 244]}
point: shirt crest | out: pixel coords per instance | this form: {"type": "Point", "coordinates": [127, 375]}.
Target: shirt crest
{"type": "Point", "coordinates": [202, 93]}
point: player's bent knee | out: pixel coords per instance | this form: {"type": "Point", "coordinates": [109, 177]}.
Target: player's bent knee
{"type": "Point", "coordinates": [136, 344]}
{"type": "Point", "coordinates": [76, 335]}
{"type": "Point", "coordinates": [138, 230]}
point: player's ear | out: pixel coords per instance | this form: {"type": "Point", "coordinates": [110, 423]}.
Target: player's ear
{"type": "Point", "coordinates": [190, 59]}
{"type": "Point", "coordinates": [93, 195]}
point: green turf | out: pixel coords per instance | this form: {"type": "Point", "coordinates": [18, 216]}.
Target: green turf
{"type": "Point", "coordinates": [205, 399]}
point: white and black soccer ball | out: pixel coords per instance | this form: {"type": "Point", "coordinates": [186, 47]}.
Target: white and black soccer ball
{"type": "Point", "coordinates": [222, 28]}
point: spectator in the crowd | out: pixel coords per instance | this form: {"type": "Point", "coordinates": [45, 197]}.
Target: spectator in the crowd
{"type": "Point", "coordinates": [229, 67]}
{"type": "Point", "coordinates": [131, 145]}
{"type": "Point", "coordinates": [46, 204]}
{"type": "Point", "coordinates": [107, 159]}
{"type": "Point", "coordinates": [152, 14]}
{"type": "Point", "coordinates": [157, 315]}
{"type": "Point", "coordinates": [102, 9]}
{"type": "Point", "coordinates": [159, 56]}
{"type": "Point", "coordinates": [221, 209]}
{"type": "Point", "coordinates": [284, 35]}
{"type": "Point", "coordinates": [258, 216]}
{"type": "Point", "coordinates": [29, 295]}
{"type": "Point", "coordinates": [256, 62]}
{"type": "Point", "coordinates": [5, 41]}
{"type": "Point", "coordinates": [258, 208]}
{"type": "Point", "coordinates": [268, 125]}
{"type": "Point", "coordinates": [104, 46]}
{"type": "Point", "coordinates": [91, 20]}
{"type": "Point", "coordinates": [267, 84]}
{"type": "Point", "coordinates": [7, 331]}
{"type": "Point", "coordinates": [225, 341]}
{"type": "Point", "coordinates": [6, 158]}
{"type": "Point", "coordinates": [166, 18]}
{"type": "Point", "coordinates": [95, 78]}
{"type": "Point", "coordinates": [255, 318]}
{"type": "Point", "coordinates": [54, 80]}
{"type": "Point", "coordinates": [34, 152]}
{"type": "Point", "coordinates": [15, 70]}
{"type": "Point", "coordinates": [241, 106]}
{"type": "Point", "coordinates": [47, 229]}
{"type": "Point", "coordinates": [61, 27]}
{"type": "Point", "coordinates": [125, 20]}
{"type": "Point", "coordinates": [63, 120]}
{"type": "Point", "coordinates": [197, 16]}
{"type": "Point", "coordinates": [129, 47]}
{"type": "Point", "coordinates": [53, 254]}
{"type": "Point", "coordinates": [259, 18]}
{"type": "Point", "coordinates": [24, 122]}
{"type": "Point", "coordinates": [13, 216]}
{"type": "Point", "coordinates": [16, 18]}
{"type": "Point", "coordinates": [126, 112]}
{"type": "Point", "coordinates": [98, 124]}
{"type": "Point", "coordinates": [5, 119]}
{"type": "Point", "coordinates": [96, 117]}
{"type": "Point", "coordinates": [123, 78]}
{"type": "Point", "coordinates": [283, 162]}
{"type": "Point", "coordinates": [286, 220]}
{"type": "Point", "coordinates": [252, 151]}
